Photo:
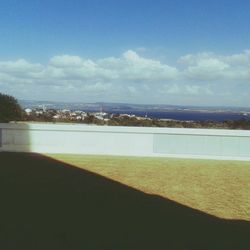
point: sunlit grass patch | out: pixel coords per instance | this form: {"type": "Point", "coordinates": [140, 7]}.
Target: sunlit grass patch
{"type": "Point", "coordinates": [220, 188]}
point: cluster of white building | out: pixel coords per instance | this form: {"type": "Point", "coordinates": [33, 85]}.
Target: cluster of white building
{"type": "Point", "coordinates": [65, 113]}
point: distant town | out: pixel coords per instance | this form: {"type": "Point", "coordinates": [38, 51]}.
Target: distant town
{"type": "Point", "coordinates": [65, 115]}
{"type": "Point", "coordinates": [137, 115]}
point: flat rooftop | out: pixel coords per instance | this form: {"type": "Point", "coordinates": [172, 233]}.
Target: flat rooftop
{"type": "Point", "coordinates": [106, 202]}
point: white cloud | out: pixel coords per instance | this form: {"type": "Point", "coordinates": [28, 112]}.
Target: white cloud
{"type": "Point", "coordinates": [97, 87]}
{"type": "Point", "coordinates": [204, 66]}
{"type": "Point", "coordinates": [173, 89]}
{"type": "Point", "coordinates": [130, 75]}
{"type": "Point", "coordinates": [238, 59]}
{"type": "Point", "coordinates": [66, 61]}
{"type": "Point", "coordinates": [132, 67]}
{"type": "Point", "coordinates": [132, 89]}
{"type": "Point", "coordinates": [187, 89]}
{"type": "Point", "coordinates": [139, 68]}
{"type": "Point", "coordinates": [207, 69]}
{"type": "Point", "coordinates": [193, 89]}
{"type": "Point", "coordinates": [19, 66]}
{"type": "Point", "coordinates": [19, 70]}
{"type": "Point", "coordinates": [74, 67]}
{"type": "Point", "coordinates": [208, 66]}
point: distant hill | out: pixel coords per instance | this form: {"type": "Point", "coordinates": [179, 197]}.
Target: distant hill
{"type": "Point", "coordinates": [120, 107]}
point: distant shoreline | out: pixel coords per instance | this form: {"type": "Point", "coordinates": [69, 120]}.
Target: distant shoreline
{"type": "Point", "coordinates": [172, 112]}
{"type": "Point", "coordinates": [189, 115]}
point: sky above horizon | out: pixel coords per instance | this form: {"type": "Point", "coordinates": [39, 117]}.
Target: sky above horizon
{"type": "Point", "coordinates": [135, 51]}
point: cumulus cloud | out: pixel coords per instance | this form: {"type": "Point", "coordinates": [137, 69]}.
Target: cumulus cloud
{"type": "Point", "coordinates": [68, 73]}
{"type": "Point", "coordinates": [186, 89]}
{"type": "Point", "coordinates": [132, 89]}
{"type": "Point", "coordinates": [172, 89]}
{"type": "Point", "coordinates": [202, 74]}
{"type": "Point", "coordinates": [208, 66]}
{"type": "Point", "coordinates": [204, 66]}
{"type": "Point", "coordinates": [238, 59]}
{"type": "Point", "coordinates": [66, 61]}
{"type": "Point", "coordinates": [139, 68]}
{"type": "Point", "coordinates": [207, 69]}
{"type": "Point", "coordinates": [20, 65]}
{"type": "Point", "coordinates": [132, 67]}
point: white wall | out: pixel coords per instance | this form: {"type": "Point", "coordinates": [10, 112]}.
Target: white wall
{"type": "Point", "coordinates": [138, 141]}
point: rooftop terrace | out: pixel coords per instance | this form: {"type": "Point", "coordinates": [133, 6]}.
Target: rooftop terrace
{"type": "Point", "coordinates": [104, 202]}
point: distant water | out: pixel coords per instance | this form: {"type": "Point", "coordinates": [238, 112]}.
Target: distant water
{"type": "Point", "coordinates": [190, 115]}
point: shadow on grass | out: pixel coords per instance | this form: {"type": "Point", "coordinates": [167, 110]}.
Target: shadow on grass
{"type": "Point", "coordinates": [47, 204]}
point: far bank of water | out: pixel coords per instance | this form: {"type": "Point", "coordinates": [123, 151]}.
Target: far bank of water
{"type": "Point", "coordinates": [190, 115]}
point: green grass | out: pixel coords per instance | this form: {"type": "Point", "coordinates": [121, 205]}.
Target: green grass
{"type": "Point", "coordinates": [220, 188]}
{"type": "Point", "coordinates": [50, 204]}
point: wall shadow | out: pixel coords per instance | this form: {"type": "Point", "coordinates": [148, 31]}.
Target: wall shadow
{"type": "Point", "coordinates": [47, 204]}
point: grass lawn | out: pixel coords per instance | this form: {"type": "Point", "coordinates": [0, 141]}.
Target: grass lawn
{"type": "Point", "coordinates": [122, 203]}
{"type": "Point", "coordinates": [220, 188]}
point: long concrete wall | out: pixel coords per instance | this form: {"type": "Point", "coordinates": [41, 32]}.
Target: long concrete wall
{"type": "Point", "coordinates": [134, 141]}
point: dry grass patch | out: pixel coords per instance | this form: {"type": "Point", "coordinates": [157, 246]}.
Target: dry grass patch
{"type": "Point", "coordinates": [220, 188]}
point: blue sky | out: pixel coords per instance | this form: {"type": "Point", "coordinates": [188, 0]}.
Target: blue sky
{"type": "Point", "coordinates": [141, 51]}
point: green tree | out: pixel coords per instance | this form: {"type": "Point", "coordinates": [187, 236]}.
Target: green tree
{"type": "Point", "coordinates": [10, 110]}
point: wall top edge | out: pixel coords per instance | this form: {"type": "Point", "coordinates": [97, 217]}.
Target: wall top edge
{"type": "Point", "coordinates": [121, 129]}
